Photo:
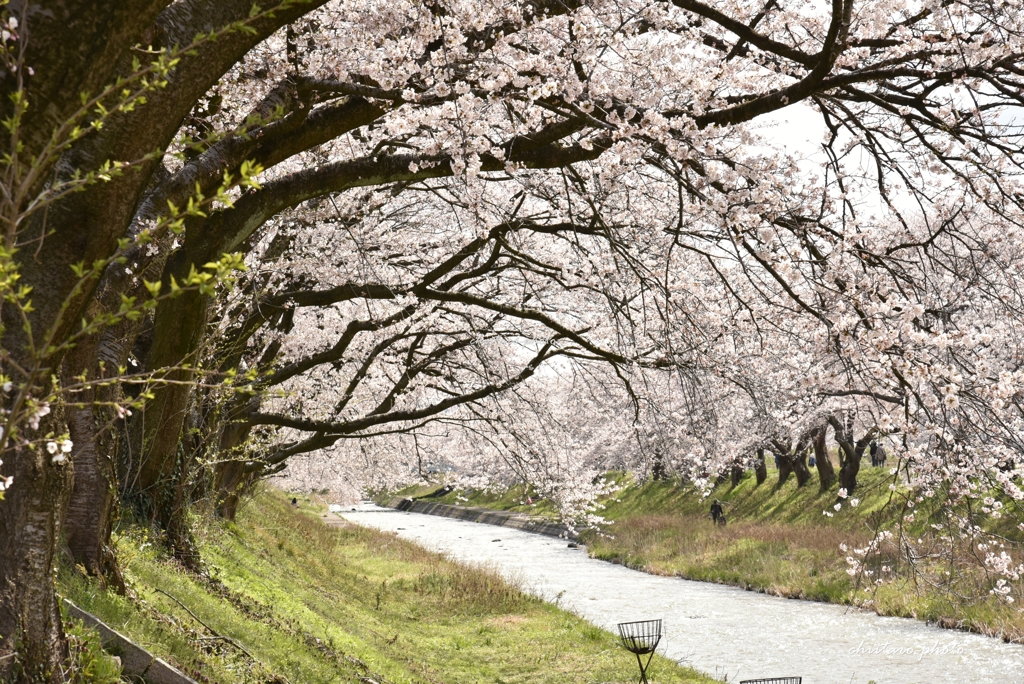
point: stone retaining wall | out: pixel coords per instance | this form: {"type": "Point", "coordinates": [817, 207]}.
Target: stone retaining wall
{"type": "Point", "coordinates": [487, 516]}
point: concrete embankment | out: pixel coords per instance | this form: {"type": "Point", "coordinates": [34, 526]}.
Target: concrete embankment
{"type": "Point", "coordinates": [136, 661]}
{"type": "Point", "coordinates": [487, 516]}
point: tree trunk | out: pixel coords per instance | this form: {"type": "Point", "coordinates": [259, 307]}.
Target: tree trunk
{"type": "Point", "coordinates": [91, 507]}
{"type": "Point", "coordinates": [736, 474]}
{"type": "Point", "coordinates": [760, 468]}
{"type": "Point", "coordinates": [800, 469]}
{"type": "Point", "coordinates": [851, 468]}
{"type": "Point", "coordinates": [785, 468]}
{"type": "Point", "coordinates": [30, 525]}
{"type": "Point", "coordinates": [155, 430]}
{"type": "Point", "coordinates": [826, 472]}
{"type": "Point", "coordinates": [94, 430]}
{"type": "Point", "coordinates": [230, 481]}
{"type": "Point", "coordinates": [231, 478]}
{"type": "Point", "coordinates": [851, 451]}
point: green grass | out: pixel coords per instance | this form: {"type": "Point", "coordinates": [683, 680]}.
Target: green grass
{"type": "Point", "coordinates": [303, 602]}
{"type": "Point", "coordinates": [751, 502]}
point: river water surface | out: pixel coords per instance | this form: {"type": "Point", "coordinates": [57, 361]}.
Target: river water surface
{"type": "Point", "coordinates": [720, 630]}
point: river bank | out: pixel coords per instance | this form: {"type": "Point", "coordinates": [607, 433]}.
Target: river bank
{"type": "Point", "coordinates": [284, 597]}
{"type": "Point", "coordinates": [778, 541]}
{"type": "Point", "coordinates": [724, 631]}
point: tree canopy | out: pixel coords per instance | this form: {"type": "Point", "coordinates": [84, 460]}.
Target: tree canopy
{"type": "Point", "coordinates": [237, 233]}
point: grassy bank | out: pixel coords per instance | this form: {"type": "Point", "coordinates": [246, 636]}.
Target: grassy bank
{"type": "Point", "coordinates": [286, 598]}
{"type": "Point", "coordinates": [779, 541]}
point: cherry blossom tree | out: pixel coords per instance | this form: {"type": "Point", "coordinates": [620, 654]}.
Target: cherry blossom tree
{"type": "Point", "coordinates": [485, 188]}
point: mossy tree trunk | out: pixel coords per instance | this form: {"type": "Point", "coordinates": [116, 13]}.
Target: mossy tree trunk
{"type": "Point", "coordinates": [231, 478]}
{"type": "Point", "coordinates": [156, 430]}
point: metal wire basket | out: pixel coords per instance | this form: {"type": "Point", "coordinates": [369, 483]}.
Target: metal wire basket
{"type": "Point", "coordinates": [641, 638]}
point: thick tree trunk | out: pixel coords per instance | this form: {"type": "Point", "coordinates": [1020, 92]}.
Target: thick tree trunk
{"type": "Point", "coordinates": [800, 468]}
{"type": "Point", "coordinates": [90, 510]}
{"type": "Point", "coordinates": [30, 525]}
{"type": "Point", "coordinates": [96, 430]}
{"type": "Point", "coordinates": [87, 528]}
{"type": "Point", "coordinates": [851, 451]}
{"type": "Point", "coordinates": [231, 478]}
{"type": "Point", "coordinates": [785, 468]}
{"type": "Point", "coordinates": [826, 472]}
{"type": "Point", "coordinates": [760, 468]}
{"type": "Point", "coordinates": [848, 474]}
{"type": "Point", "coordinates": [792, 460]}
{"type": "Point", "coordinates": [156, 429]}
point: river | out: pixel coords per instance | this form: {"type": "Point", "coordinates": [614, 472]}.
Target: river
{"type": "Point", "coordinates": [723, 631]}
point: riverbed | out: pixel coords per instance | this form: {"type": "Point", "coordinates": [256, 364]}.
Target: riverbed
{"type": "Point", "coordinates": [723, 631]}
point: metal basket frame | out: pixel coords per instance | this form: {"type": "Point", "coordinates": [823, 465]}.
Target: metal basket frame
{"type": "Point", "coordinates": [641, 638]}
{"type": "Point", "coordinates": [774, 680]}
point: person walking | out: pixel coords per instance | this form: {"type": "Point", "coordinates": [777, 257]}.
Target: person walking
{"type": "Point", "coordinates": [716, 511]}
{"type": "Point", "coordinates": [874, 454]}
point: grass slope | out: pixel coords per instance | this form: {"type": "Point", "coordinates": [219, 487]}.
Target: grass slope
{"type": "Point", "coordinates": [286, 598]}
{"type": "Point", "coordinates": [778, 540]}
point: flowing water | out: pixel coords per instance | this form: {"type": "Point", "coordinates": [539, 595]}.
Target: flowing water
{"type": "Point", "coordinates": [723, 631]}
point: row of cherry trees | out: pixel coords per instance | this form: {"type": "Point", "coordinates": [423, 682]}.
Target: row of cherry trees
{"type": "Point", "coordinates": [237, 234]}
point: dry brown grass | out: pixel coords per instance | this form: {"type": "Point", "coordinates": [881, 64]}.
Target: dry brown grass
{"type": "Point", "coordinates": [506, 621]}
{"type": "Point", "coordinates": [471, 588]}
{"type": "Point", "coordinates": [800, 560]}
